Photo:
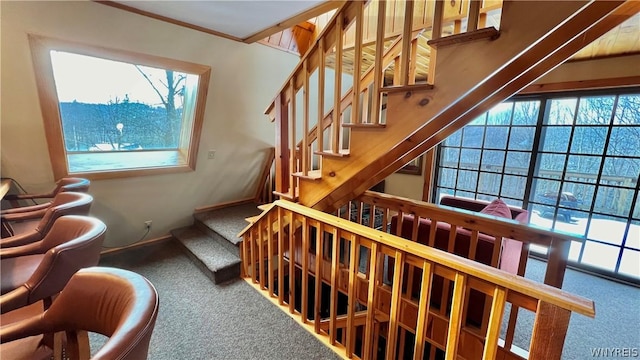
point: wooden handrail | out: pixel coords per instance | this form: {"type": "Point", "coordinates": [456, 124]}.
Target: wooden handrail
{"type": "Point", "coordinates": [271, 263]}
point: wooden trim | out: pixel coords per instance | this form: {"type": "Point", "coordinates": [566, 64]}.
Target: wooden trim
{"type": "Point", "coordinates": [167, 19]}
{"type": "Point", "coordinates": [413, 167]}
{"type": "Point", "coordinates": [49, 103]}
{"type": "Point", "coordinates": [137, 245]}
{"type": "Point", "coordinates": [206, 208]}
{"type": "Point", "coordinates": [429, 172]}
{"type": "Point", "coordinates": [628, 81]}
{"type": "Point", "coordinates": [294, 20]}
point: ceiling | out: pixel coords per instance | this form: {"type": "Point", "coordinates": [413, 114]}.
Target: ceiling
{"type": "Point", "coordinates": [237, 20]}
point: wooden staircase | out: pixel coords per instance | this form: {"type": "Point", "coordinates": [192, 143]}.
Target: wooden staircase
{"type": "Point", "coordinates": [363, 140]}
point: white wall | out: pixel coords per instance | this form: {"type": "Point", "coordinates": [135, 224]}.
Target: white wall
{"type": "Point", "coordinates": [244, 79]}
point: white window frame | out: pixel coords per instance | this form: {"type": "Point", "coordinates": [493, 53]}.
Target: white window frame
{"type": "Point", "coordinates": [185, 156]}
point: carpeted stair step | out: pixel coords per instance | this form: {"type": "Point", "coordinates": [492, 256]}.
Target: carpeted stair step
{"type": "Point", "coordinates": [209, 255]}
{"type": "Point", "coordinates": [224, 224]}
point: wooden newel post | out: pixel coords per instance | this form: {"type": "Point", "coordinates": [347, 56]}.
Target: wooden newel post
{"type": "Point", "coordinates": [549, 332]}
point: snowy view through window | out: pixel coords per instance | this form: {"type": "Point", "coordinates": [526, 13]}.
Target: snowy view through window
{"type": "Point", "coordinates": [572, 161]}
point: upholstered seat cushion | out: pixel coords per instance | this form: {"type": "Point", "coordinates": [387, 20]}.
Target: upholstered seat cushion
{"type": "Point", "coordinates": [28, 348]}
{"type": "Point", "coordinates": [14, 272]}
{"type": "Point", "coordinates": [22, 227]}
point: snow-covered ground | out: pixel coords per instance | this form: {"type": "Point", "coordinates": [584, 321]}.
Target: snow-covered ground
{"type": "Point", "coordinates": [601, 255]}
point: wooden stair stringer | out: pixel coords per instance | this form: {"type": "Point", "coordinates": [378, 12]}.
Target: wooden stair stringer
{"type": "Point", "coordinates": [410, 116]}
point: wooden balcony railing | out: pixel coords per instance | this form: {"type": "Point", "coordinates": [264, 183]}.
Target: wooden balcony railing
{"type": "Point", "coordinates": [335, 277]}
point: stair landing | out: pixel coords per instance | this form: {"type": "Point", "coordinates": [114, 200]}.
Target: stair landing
{"type": "Point", "coordinates": [212, 241]}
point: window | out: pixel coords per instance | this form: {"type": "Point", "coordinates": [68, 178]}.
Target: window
{"type": "Point", "coordinates": [572, 160]}
{"type": "Point", "coordinates": [111, 113]}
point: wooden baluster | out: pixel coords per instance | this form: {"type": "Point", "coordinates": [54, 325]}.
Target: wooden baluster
{"type": "Point", "coordinates": [436, 33]}
{"type": "Point", "coordinates": [495, 320]}
{"type": "Point", "coordinates": [406, 42]}
{"type": "Point", "coordinates": [474, 14]}
{"type": "Point", "coordinates": [372, 217]}
{"type": "Point", "coordinates": [317, 305]}
{"type": "Point", "coordinates": [368, 352]}
{"type": "Point", "coordinates": [423, 310]}
{"type": "Point", "coordinates": [305, 153]}
{"type": "Point", "coordinates": [413, 63]}
{"type": "Point", "coordinates": [352, 297]}
{"type": "Point", "coordinates": [473, 246]}
{"type": "Point", "coordinates": [457, 26]}
{"type": "Point", "coordinates": [549, 332]}
{"type": "Point", "coordinates": [293, 147]}
{"type": "Point", "coordinates": [438, 17]}
{"type": "Point", "coordinates": [357, 64]}
{"type": "Point", "coordinates": [270, 254]}
{"type": "Point", "coordinates": [261, 259]}
{"type": "Point", "coordinates": [280, 256]}
{"type": "Point", "coordinates": [397, 67]}
{"type": "Point", "coordinates": [364, 118]}
{"type": "Point", "coordinates": [377, 75]}
{"type": "Point", "coordinates": [292, 264]}
{"type": "Point", "coordinates": [282, 145]}
{"type": "Point", "coordinates": [455, 322]}
{"type": "Point", "coordinates": [333, 305]}
{"type": "Point", "coordinates": [321, 74]}
{"type": "Point", "coordinates": [254, 267]}
{"type": "Point", "coordinates": [337, 90]}
{"type": "Point", "coordinates": [396, 294]}
{"type": "Point", "coordinates": [495, 262]}
{"type": "Point", "coordinates": [304, 293]}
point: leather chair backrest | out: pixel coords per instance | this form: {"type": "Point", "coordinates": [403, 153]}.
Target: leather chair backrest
{"type": "Point", "coordinates": [65, 203]}
{"type": "Point", "coordinates": [74, 242]}
{"type": "Point", "coordinates": [117, 303]}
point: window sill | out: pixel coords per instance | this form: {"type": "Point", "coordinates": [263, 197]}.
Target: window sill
{"type": "Point", "coordinates": [104, 165]}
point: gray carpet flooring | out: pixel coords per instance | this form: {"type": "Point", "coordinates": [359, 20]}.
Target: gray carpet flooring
{"type": "Point", "coordinates": [199, 320]}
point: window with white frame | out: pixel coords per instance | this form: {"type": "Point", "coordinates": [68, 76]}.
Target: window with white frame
{"type": "Point", "coordinates": [572, 160]}
{"type": "Point", "coordinates": [113, 113]}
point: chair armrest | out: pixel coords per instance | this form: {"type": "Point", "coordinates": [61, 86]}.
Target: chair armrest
{"type": "Point", "coordinates": [22, 329]}
{"type": "Point", "coordinates": [22, 250]}
{"type": "Point", "coordinates": [28, 196]}
{"type": "Point", "coordinates": [28, 215]}
{"type": "Point", "coordinates": [12, 300]}
{"type": "Point", "coordinates": [26, 208]}
{"type": "Point", "coordinates": [20, 239]}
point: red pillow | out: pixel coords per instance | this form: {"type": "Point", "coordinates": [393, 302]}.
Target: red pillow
{"type": "Point", "coordinates": [497, 208]}
{"type": "Point", "coordinates": [523, 217]}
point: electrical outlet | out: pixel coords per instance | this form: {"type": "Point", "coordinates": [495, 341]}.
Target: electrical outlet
{"type": "Point", "coordinates": [211, 154]}
{"type": "Point", "coordinates": [148, 224]}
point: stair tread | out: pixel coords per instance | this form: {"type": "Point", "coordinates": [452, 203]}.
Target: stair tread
{"type": "Point", "coordinates": [228, 221]}
{"type": "Point", "coordinates": [486, 33]}
{"type": "Point", "coordinates": [312, 174]}
{"type": "Point", "coordinates": [212, 254]}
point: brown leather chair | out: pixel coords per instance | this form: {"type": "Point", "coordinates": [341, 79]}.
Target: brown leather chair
{"type": "Point", "coordinates": [27, 227]}
{"type": "Point", "coordinates": [74, 184]}
{"type": "Point", "coordinates": [40, 270]}
{"type": "Point", "coordinates": [119, 304]}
